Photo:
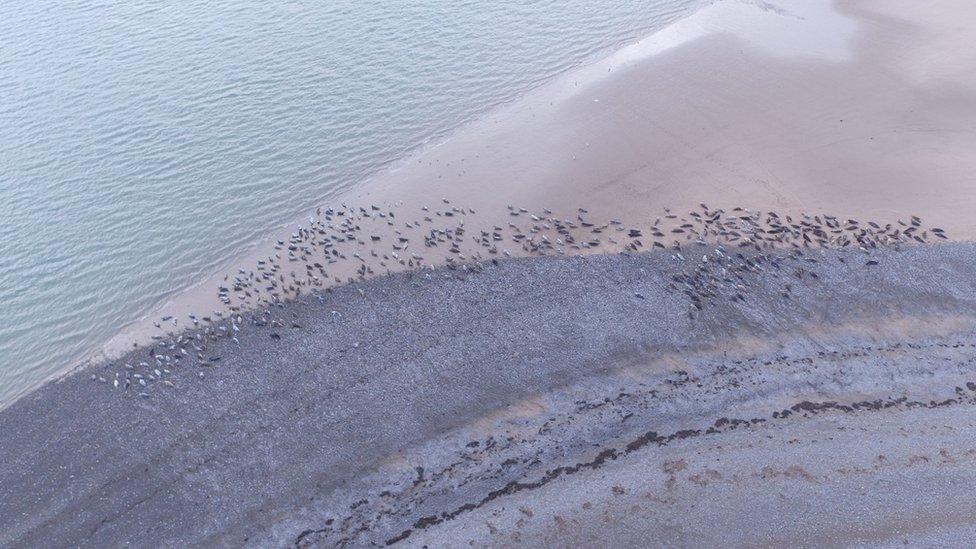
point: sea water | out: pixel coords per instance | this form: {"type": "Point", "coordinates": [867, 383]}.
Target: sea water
{"type": "Point", "coordinates": [144, 143]}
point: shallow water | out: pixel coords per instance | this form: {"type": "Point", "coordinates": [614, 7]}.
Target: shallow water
{"type": "Point", "coordinates": [142, 144]}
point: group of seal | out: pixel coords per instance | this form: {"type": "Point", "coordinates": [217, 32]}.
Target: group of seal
{"type": "Point", "coordinates": [719, 252]}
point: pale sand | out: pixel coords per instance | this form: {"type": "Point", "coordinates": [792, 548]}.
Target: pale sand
{"type": "Point", "coordinates": [860, 109]}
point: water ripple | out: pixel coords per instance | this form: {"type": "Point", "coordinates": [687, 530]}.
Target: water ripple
{"type": "Point", "coordinates": [143, 143]}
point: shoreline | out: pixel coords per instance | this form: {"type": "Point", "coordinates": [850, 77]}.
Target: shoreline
{"type": "Point", "coordinates": [196, 297]}
{"type": "Point", "coordinates": [542, 127]}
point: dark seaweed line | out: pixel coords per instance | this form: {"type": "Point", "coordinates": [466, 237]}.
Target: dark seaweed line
{"type": "Point", "coordinates": [720, 425]}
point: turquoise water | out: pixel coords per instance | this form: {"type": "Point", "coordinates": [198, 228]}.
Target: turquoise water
{"type": "Point", "coordinates": [144, 143]}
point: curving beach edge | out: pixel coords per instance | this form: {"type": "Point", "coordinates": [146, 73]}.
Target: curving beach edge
{"type": "Point", "coordinates": [785, 354]}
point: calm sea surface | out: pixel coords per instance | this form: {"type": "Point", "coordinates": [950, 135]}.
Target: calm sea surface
{"type": "Point", "coordinates": [143, 143]}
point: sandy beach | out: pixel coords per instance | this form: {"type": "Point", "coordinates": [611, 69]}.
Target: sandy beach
{"type": "Point", "coordinates": [569, 324]}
